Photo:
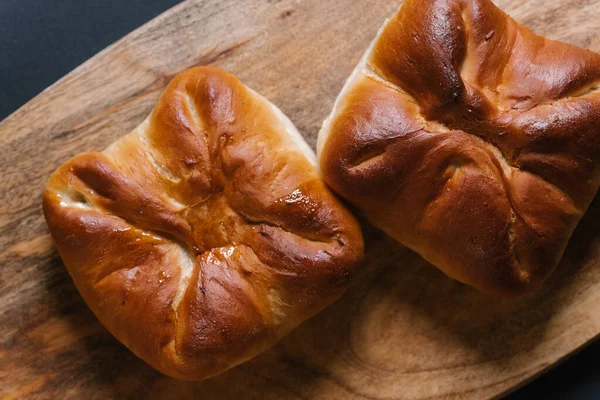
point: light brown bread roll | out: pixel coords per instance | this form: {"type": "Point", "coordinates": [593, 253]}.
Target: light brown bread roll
{"type": "Point", "coordinates": [470, 140]}
{"type": "Point", "coordinates": [205, 235]}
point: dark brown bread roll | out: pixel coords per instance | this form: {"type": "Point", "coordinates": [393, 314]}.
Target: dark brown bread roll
{"type": "Point", "coordinates": [205, 235]}
{"type": "Point", "coordinates": [470, 140]}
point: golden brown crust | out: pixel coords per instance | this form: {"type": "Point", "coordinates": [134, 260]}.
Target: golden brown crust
{"type": "Point", "coordinates": [470, 140]}
{"type": "Point", "coordinates": [204, 235]}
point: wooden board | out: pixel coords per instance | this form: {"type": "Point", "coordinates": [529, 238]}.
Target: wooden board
{"type": "Point", "coordinates": [403, 331]}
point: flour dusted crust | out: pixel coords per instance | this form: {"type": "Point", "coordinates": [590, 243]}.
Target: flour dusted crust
{"type": "Point", "coordinates": [469, 139]}
{"type": "Point", "coordinates": [206, 234]}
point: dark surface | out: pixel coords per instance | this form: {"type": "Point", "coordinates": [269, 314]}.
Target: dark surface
{"type": "Point", "coordinates": [42, 40]}
{"type": "Point", "coordinates": [578, 378]}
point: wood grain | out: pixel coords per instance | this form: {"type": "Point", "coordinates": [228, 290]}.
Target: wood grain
{"type": "Point", "coordinates": [403, 331]}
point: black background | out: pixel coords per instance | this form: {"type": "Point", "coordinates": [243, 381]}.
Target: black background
{"type": "Point", "coordinates": [42, 40]}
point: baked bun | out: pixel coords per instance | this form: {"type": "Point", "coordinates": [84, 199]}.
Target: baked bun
{"type": "Point", "coordinates": [205, 235]}
{"type": "Point", "coordinates": [470, 140]}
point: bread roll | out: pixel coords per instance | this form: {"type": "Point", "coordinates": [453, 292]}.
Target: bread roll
{"type": "Point", "coordinates": [205, 235]}
{"type": "Point", "coordinates": [470, 140]}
